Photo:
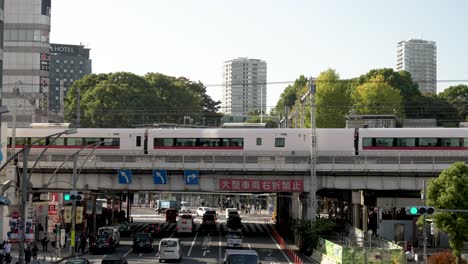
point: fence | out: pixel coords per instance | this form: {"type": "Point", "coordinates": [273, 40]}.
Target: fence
{"type": "Point", "coordinates": [289, 252]}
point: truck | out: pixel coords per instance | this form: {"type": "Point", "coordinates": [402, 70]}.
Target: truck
{"type": "Point", "coordinates": [162, 205]}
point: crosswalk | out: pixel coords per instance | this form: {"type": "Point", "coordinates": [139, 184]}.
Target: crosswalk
{"type": "Point", "coordinates": [247, 228]}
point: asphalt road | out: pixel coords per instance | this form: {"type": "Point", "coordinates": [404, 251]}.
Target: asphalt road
{"type": "Point", "coordinates": [201, 247]}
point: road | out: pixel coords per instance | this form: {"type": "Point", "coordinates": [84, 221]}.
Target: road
{"type": "Point", "coordinates": [198, 247]}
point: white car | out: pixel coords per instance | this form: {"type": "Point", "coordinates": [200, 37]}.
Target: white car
{"type": "Point", "coordinates": [234, 239]}
{"type": "Point", "coordinates": [185, 224]}
{"type": "Point", "coordinates": [170, 249]}
{"type": "Point", "coordinates": [185, 209]}
{"type": "Point", "coordinates": [111, 230]}
{"type": "Point", "coordinates": [241, 256]}
{"type": "Point", "coordinates": [201, 210]}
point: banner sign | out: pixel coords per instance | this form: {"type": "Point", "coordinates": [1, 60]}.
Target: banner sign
{"type": "Point", "coordinates": [242, 185]}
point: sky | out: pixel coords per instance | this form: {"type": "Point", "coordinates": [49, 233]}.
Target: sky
{"type": "Point", "coordinates": [192, 38]}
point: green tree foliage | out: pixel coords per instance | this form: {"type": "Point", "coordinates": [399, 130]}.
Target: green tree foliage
{"type": "Point", "coordinates": [430, 106]}
{"type": "Point", "coordinates": [377, 97]}
{"type": "Point", "coordinates": [400, 80]}
{"type": "Point", "coordinates": [270, 123]}
{"type": "Point", "coordinates": [124, 99]}
{"type": "Point", "coordinates": [457, 96]}
{"type": "Point", "coordinates": [310, 231]}
{"type": "Point", "coordinates": [333, 100]}
{"type": "Point", "coordinates": [450, 191]}
{"type": "Point", "coordinates": [290, 94]}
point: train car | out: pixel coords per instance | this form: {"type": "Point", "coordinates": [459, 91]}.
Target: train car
{"type": "Point", "coordinates": [131, 141]}
{"type": "Point", "coordinates": [413, 141]}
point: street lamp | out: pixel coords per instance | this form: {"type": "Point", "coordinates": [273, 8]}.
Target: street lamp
{"type": "Point", "coordinates": [25, 180]}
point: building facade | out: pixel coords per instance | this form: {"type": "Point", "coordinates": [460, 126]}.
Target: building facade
{"type": "Point", "coordinates": [419, 57]}
{"type": "Point", "coordinates": [244, 86]}
{"type": "Point", "coordinates": [67, 64]}
{"type": "Point", "coordinates": [26, 49]}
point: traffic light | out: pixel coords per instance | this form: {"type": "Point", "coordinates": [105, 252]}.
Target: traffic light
{"type": "Point", "coordinates": [419, 210]}
{"type": "Point", "coordinates": [73, 196]}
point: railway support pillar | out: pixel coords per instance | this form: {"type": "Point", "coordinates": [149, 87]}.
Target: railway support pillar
{"type": "Point", "coordinates": [357, 199]}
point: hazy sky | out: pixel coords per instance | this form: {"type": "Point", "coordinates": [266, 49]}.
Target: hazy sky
{"type": "Point", "coordinates": [193, 38]}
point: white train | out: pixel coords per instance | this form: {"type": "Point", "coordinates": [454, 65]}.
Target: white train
{"type": "Point", "coordinates": [339, 141]}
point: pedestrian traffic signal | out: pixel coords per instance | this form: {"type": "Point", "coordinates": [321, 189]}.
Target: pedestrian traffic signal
{"type": "Point", "coordinates": [73, 196]}
{"type": "Point", "coordinates": [419, 210]}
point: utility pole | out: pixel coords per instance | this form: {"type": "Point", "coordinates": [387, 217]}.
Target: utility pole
{"type": "Point", "coordinates": [72, 237]}
{"type": "Point", "coordinates": [78, 106]}
{"type": "Point", "coordinates": [424, 225]}
{"type": "Point", "coordinates": [261, 103]}
{"type": "Point", "coordinates": [24, 186]}
{"type": "Point", "coordinates": [313, 152]}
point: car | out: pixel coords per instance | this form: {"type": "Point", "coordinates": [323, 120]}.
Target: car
{"type": "Point", "coordinates": [153, 229]}
{"type": "Point", "coordinates": [170, 249]}
{"type": "Point", "coordinates": [201, 210]}
{"type": "Point", "coordinates": [77, 261]}
{"type": "Point", "coordinates": [142, 242]}
{"type": "Point", "coordinates": [236, 256]}
{"type": "Point", "coordinates": [111, 230]}
{"type": "Point", "coordinates": [171, 215]}
{"type": "Point", "coordinates": [103, 243]}
{"type": "Point", "coordinates": [208, 223]}
{"type": "Point", "coordinates": [124, 227]}
{"type": "Point", "coordinates": [234, 239]}
{"type": "Point", "coordinates": [185, 224]}
{"type": "Point", "coordinates": [234, 222]}
{"type": "Point", "coordinates": [114, 259]}
{"type": "Point", "coordinates": [185, 209]}
{"type": "Point", "coordinates": [230, 210]}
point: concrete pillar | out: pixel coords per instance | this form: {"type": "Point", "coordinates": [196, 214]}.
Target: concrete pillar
{"type": "Point", "coordinates": [147, 200]}
{"type": "Point", "coordinates": [365, 218]}
{"type": "Point", "coordinates": [357, 199]}
{"type": "Point", "coordinates": [356, 215]}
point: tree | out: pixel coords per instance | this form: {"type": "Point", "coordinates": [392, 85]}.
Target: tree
{"type": "Point", "coordinates": [430, 106]}
{"type": "Point", "coordinates": [290, 94]}
{"type": "Point", "coordinates": [450, 191]}
{"type": "Point", "coordinates": [377, 97]}
{"type": "Point", "coordinates": [457, 96]}
{"type": "Point", "coordinates": [270, 123]}
{"type": "Point", "coordinates": [333, 100]}
{"type": "Point", "coordinates": [400, 80]}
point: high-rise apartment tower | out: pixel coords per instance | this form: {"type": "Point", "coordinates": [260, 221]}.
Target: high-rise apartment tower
{"type": "Point", "coordinates": [244, 89]}
{"type": "Point", "coordinates": [419, 57]}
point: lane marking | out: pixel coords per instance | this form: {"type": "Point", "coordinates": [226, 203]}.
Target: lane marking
{"type": "Point", "coordinates": [193, 243]}
{"type": "Point", "coordinates": [278, 246]}
{"type": "Point", "coordinates": [219, 247]}
{"type": "Point", "coordinates": [128, 252]}
{"type": "Point", "coordinates": [141, 254]}
{"type": "Point", "coordinates": [172, 234]}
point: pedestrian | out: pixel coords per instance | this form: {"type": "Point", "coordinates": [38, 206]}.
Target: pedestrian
{"type": "Point", "coordinates": [40, 228]}
{"type": "Point", "coordinates": [77, 244]}
{"type": "Point", "coordinates": [7, 251]}
{"type": "Point", "coordinates": [2, 255]}
{"type": "Point", "coordinates": [27, 255]}
{"type": "Point", "coordinates": [83, 242]}
{"type": "Point", "coordinates": [34, 252]}
{"type": "Point", "coordinates": [45, 242]}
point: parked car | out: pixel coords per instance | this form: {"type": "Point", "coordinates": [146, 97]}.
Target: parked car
{"type": "Point", "coordinates": [142, 242]}
{"type": "Point", "coordinates": [153, 229]}
{"type": "Point", "coordinates": [104, 243]}
{"type": "Point", "coordinates": [171, 215]}
{"type": "Point", "coordinates": [170, 249]}
{"type": "Point", "coordinates": [234, 239]}
{"type": "Point", "coordinates": [233, 256]}
{"type": "Point", "coordinates": [111, 230]}
{"type": "Point", "coordinates": [185, 224]}
{"type": "Point", "coordinates": [201, 210]}
{"type": "Point", "coordinates": [114, 259]}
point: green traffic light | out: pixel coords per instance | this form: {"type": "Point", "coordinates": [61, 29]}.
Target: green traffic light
{"type": "Point", "coordinates": [414, 210]}
{"type": "Point", "coordinates": [66, 197]}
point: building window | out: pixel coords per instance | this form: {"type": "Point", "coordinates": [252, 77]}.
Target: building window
{"type": "Point", "coordinates": [64, 70]}
{"type": "Point", "coordinates": [72, 62]}
{"type": "Point", "coordinates": [57, 61]}
{"type": "Point", "coordinates": [65, 61]}
{"type": "Point", "coordinates": [71, 70]}
{"type": "Point", "coordinates": [259, 141]}
{"type": "Point", "coordinates": [280, 142]}
{"type": "Point", "coordinates": [81, 62]}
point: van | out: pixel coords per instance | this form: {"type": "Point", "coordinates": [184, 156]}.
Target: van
{"type": "Point", "coordinates": [185, 224]}
{"type": "Point", "coordinates": [111, 230]}
{"type": "Point", "coordinates": [228, 210]}
{"type": "Point", "coordinates": [241, 256]}
{"type": "Point", "coordinates": [170, 249]}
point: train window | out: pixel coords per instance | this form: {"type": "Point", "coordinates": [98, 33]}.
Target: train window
{"type": "Point", "coordinates": [185, 142]}
{"type": "Point", "coordinates": [22, 141]}
{"type": "Point", "coordinates": [225, 142]}
{"type": "Point", "coordinates": [41, 142]}
{"type": "Point", "coordinates": [259, 141]}
{"type": "Point", "coordinates": [111, 142]}
{"type": "Point", "coordinates": [163, 142]}
{"type": "Point", "coordinates": [465, 142]}
{"type": "Point", "coordinates": [74, 141]}
{"type": "Point", "coordinates": [450, 142]}
{"type": "Point", "coordinates": [57, 142]}
{"type": "Point", "coordinates": [208, 142]}
{"type": "Point", "coordinates": [428, 142]}
{"type": "Point", "coordinates": [236, 142]}
{"type": "Point", "coordinates": [280, 142]}
{"type": "Point", "coordinates": [91, 141]}
{"type": "Point", "coordinates": [367, 142]}
{"type": "Point", "coordinates": [384, 142]}
{"type": "Point", "coordinates": [406, 142]}
{"type": "Point", "coordinates": [138, 141]}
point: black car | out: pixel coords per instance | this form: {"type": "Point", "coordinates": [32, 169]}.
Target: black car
{"type": "Point", "coordinates": [102, 244]}
{"type": "Point", "coordinates": [208, 222]}
{"type": "Point", "coordinates": [142, 242]}
{"type": "Point", "coordinates": [153, 229]}
{"type": "Point", "coordinates": [114, 259]}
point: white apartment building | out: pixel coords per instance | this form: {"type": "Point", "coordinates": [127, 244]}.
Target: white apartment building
{"type": "Point", "coordinates": [419, 57]}
{"type": "Point", "coordinates": [26, 52]}
{"type": "Point", "coordinates": [244, 86]}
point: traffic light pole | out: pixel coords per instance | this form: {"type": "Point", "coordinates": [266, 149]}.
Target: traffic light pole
{"type": "Point", "coordinates": [424, 225]}
{"type": "Point", "coordinates": [72, 237]}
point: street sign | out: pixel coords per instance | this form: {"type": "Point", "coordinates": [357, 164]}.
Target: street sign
{"type": "Point", "coordinates": [4, 200]}
{"type": "Point", "coordinates": [192, 177]}
{"type": "Point", "coordinates": [67, 214]}
{"type": "Point", "coordinates": [125, 176]}
{"type": "Point", "coordinates": [160, 176]}
{"type": "Point", "coordinates": [15, 214]}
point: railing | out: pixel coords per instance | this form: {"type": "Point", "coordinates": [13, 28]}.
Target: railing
{"type": "Point", "coordinates": [257, 161]}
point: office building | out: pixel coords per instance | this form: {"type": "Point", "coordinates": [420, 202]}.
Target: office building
{"type": "Point", "coordinates": [244, 86]}
{"type": "Point", "coordinates": [419, 57]}
{"type": "Point", "coordinates": [67, 64]}
{"type": "Point", "coordinates": [26, 60]}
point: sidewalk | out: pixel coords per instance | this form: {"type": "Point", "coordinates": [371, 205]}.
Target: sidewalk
{"type": "Point", "coordinates": [49, 256]}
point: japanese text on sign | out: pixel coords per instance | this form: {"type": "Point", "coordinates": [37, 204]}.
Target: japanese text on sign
{"type": "Point", "coordinates": [261, 185]}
